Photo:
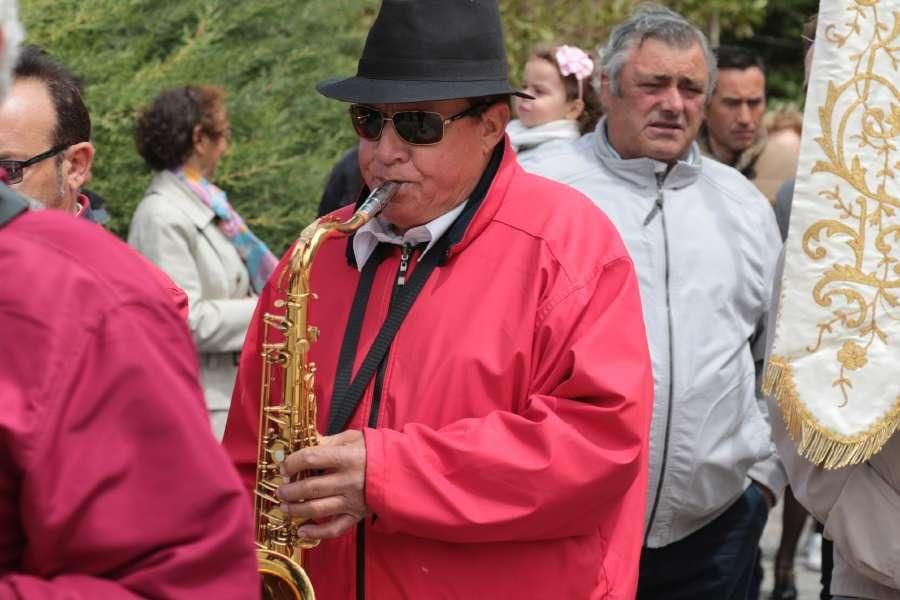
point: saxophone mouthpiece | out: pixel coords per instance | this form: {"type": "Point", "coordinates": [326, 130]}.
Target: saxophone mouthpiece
{"type": "Point", "coordinates": [378, 199]}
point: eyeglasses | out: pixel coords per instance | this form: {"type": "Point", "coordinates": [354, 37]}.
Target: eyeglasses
{"type": "Point", "coordinates": [416, 127]}
{"type": "Point", "coordinates": [15, 169]}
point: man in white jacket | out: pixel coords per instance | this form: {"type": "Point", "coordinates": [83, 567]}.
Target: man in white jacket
{"type": "Point", "coordinates": [705, 245]}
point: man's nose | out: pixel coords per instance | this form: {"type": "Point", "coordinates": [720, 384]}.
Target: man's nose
{"type": "Point", "coordinates": [389, 147]}
{"type": "Point", "coordinates": [743, 114]}
{"type": "Point", "coordinates": [672, 100]}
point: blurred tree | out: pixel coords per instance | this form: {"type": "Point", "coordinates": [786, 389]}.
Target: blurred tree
{"type": "Point", "coordinates": [777, 40]}
{"type": "Point", "coordinates": [586, 23]}
{"type": "Point", "coordinates": [770, 28]}
{"type": "Point", "coordinates": [269, 54]}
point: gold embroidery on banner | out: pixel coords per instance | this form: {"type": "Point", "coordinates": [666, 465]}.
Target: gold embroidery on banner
{"type": "Point", "coordinates": [862, 284]}
{"type": "Point", "coordinates": [855, 250]}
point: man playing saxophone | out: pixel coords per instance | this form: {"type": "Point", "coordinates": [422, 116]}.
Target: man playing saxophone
{"type": "Point", "coordinates": [481, 370]}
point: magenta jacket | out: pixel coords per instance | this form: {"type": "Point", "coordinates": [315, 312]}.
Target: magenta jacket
{"type": "Point", "coordinates": [111, 483]}
{"type": "Point", "coordinates": [509, 457]}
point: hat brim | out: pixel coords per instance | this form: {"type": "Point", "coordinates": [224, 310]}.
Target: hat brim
{"type": "Point", "coordinates": [387, 91]}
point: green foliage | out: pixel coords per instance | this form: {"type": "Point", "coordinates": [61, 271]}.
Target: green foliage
{"type": "Point", "coordinates": [268, 54]}
{"type": "Point", "coordinates": [586, 23]}
{"type": "Point", "coordinates": [770, 28]}
{"type": "Point", "coordinates": [777, 40]}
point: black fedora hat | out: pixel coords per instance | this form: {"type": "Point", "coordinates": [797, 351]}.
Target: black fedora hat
{"type": "Point", "coordinates": [420, 50]}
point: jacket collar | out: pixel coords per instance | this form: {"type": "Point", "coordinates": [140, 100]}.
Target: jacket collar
{"type": "Point", "coordinates": [524, 138]}
{"type": "Point", "coordinates": [167, 184]}
{"type": "Point", "coordinates": [643, 171]}
{"type": "Point", "coordinates": [746, 160]}
{"type": "Point", "coordinates": [11, 203]}
{"type": "Point", "coordinates": [82, 206]}
{"type": "Point", "coordinates": [485, 200]}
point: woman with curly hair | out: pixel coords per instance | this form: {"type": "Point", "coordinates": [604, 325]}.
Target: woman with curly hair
{"type": "Point", "coordinates": [186, 226]}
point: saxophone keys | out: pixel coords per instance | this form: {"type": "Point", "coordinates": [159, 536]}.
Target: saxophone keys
{"type": "Point", "coordinates": [278, 451]}
{"type": "Point", "coordinates": [307, 544]}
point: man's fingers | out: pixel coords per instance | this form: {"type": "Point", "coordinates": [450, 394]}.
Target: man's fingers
{"type": "Point", "coordinates": [313, 487]}
{"type": "Point", "coordinates": [319, 508]}
{"type": "Point", "coordinates": [330, 529]}
{"type": "Point", "coordinates": [315, 458]}
{"type": "Point", "coordinates": [351, 436]}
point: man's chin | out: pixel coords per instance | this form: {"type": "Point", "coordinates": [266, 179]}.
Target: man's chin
{"type": "Point", "coordinates": [740, 146]}
{"type": "Point", "coordinates": [398, 217]}
{"type": "Point", "coordinates": [667, 153]}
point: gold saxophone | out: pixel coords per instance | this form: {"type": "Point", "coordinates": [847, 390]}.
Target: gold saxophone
{"type": "Point", "coordinates": [291, 425]}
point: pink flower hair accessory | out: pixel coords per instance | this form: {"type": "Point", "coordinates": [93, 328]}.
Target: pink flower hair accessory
{"type": "Point", "coordinates": [574, 61]}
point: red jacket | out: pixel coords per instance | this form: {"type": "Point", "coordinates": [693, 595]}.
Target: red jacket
{"type": "Point", "coordinates": [111, 483]}
{"type": "Point", "coordinates": [509, 458]}
{"type": "Point", "coordinates": [179, 298]}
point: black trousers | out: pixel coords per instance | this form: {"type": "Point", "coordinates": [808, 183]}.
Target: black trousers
{"type": "Point", "coordinates": [715, 562]}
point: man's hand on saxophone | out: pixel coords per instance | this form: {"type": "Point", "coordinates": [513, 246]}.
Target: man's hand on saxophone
{"type": "Point", "coordinates": [338, 494]}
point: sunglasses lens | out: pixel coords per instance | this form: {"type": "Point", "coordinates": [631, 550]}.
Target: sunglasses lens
{"type": "Point", "coordinates": [419, 127]}
{"type": "Point", "coordinates": [13, 171]}
{"type": "Point", "coordinates": [366, 121]}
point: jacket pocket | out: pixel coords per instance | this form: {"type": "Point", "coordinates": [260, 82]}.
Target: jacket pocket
{"type": "Point", "coordinates": [730, 440]}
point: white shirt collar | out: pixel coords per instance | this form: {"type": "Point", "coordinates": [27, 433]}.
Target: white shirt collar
{"type": "Point", "coordinates": [379, 230]}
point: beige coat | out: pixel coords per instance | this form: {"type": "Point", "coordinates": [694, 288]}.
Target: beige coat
{"type": "Point", "coordinates": [860, 507]}
{"type": "Point", "coordinates": [770, 164]}
{"type": "Point", "coordinates": [776, 164]}
{"type": "Point", "coordinates": [175, 230]}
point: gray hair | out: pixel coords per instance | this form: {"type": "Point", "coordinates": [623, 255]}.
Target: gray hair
{"type": "Point", "coordinates": [13, 34]}
{"type": "Point", "coordinates": [651, 21]}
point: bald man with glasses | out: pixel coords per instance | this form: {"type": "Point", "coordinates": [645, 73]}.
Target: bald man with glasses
{"type": "Point", "coordinates": [45, 134]}
{"type": "Point", "coordinates": [45, 147]}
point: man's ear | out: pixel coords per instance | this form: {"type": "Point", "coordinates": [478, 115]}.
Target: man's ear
{"type": "Point", "coordinates": [80, 157]}
{"type": "Point", "coordinates": [493, 125]}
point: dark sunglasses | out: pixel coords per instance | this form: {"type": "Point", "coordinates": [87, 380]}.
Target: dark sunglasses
{"type": "Point", "coordinates": [417, 127]}
{"type": "Point", "coordinates": [15, 169]}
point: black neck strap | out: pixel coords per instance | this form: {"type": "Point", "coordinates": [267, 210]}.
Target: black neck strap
{"type": "Point", "coordinates": [343, 406]}
{"type": "Point", "coordinates": [11, 205]}
{"type": "Point", "coordinates": [347, 394]}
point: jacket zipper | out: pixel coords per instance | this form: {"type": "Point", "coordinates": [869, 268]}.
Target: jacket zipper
{"type": "Point", "coordinates": [402, 272]}
{"type": "Point", "coordinates": [660, 178]}
{"type": "Point", "coordinates": [405, 253]}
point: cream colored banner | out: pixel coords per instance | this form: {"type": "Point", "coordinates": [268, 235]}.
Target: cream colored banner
{"type": "Point", "coordinates": [835, 364]}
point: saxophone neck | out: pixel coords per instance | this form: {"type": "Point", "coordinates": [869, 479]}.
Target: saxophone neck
{"type": "Point", "coordinates": [321, 229]}
{"type": "Point", "coordinates": [371, 206]}
{"type": "Point", "coordinates": [378, 199]}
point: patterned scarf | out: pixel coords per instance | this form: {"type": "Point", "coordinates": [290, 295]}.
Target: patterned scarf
{"type": "Point", "coordinates": [256, 255]}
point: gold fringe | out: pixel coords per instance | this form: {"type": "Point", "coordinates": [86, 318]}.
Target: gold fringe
{"type": "Point", "coordinates": [816, 443]}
